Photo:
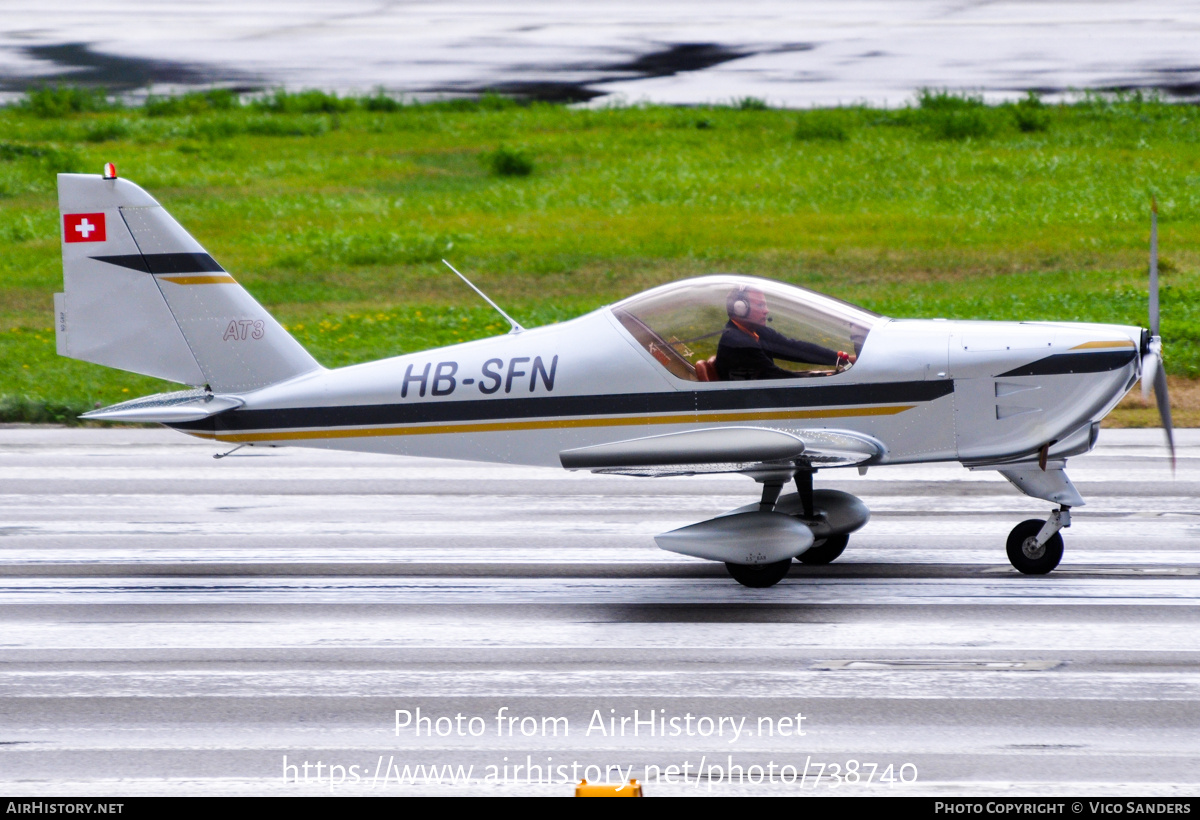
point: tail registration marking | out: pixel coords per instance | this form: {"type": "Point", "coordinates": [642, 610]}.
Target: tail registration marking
{"type": "Point", "coordinates": [242, 329]}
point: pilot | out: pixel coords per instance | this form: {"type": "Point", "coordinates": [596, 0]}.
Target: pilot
{"type": "Point", "coordinates": [748, 348]}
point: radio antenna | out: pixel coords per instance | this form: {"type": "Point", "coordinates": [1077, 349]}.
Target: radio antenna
{"type": "Point", "coordinates": [516, 328]}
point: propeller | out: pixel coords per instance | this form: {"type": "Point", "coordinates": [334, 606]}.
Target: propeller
{"type": "Point", "coordinates": [1153, 374]}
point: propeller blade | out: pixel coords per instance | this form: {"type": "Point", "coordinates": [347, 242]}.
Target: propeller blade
{"type": "Point", "coordinates": [1153, 266]}
{"type": "Point", "coordinates": [1164, 409]}
{"type": "Point", "coordinates": [1154, 375]}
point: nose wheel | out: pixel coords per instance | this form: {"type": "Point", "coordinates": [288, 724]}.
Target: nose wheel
{"type": "Point", "coordinates": [1035, 547]}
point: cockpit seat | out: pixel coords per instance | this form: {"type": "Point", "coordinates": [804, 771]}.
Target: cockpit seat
{"type": "Point", "coordinates": [706, 370]}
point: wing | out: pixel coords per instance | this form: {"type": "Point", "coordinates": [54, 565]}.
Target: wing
{"type": "Point", "coordinates": [724, 450]}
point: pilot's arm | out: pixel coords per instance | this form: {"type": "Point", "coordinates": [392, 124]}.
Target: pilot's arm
{"type": "Point", "coordinates": [778, 346]}
{"type": "Point", "coordinates": [742, 355]}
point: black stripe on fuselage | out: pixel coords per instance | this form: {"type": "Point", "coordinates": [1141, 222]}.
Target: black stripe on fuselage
{"type": "Point", "coordinates": [765, 399]}
{"type": "Point", "coordinates": [165, 262]}
{"type": "Point", "coordinates": [1074, 363]}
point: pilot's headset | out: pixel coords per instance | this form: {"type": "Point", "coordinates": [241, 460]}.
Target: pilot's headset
{"type": "Point", "coordinates": [737, 303]}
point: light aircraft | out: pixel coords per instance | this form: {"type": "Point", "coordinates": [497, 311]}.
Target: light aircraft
{"type": "Point", "coordinates": [658, 384]}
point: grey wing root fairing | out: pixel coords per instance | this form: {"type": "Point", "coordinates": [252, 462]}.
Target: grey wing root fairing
{"type": "Point", "coordinates": [1049, 484]}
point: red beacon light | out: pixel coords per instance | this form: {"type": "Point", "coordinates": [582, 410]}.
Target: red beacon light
{"type": "Point", "coordinates": [110, 170]}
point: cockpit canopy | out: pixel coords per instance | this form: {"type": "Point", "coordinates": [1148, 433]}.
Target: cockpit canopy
{"type": "Point", "coordinates": [681, 324]}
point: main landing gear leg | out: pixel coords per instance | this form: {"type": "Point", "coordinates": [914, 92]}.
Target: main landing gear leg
{"type": "Point", "coordinates": [771, 491]}
{"type": "Point", "coordinates": [804, 486]}
{"type": "Point", "coordinates": [1035, 547]}
{"type": "Point", "coordinates": [823, 550]}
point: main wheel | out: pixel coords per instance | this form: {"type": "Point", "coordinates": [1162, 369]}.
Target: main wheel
{"type": "Point", "coordinates": [825, 551]}
{"type": "Point", "coordinates": [759, 576]}
{"type": "Point", "coordinates": [1026, 555]}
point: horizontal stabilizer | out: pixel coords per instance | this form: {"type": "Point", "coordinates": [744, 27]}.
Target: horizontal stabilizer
{"type": "Point", "coordinates": [167, 408]}
{"type": "Point", "coordinates": [723, 450]}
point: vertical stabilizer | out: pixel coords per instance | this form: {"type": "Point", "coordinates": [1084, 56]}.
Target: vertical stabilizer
{"type": "Point", "coordinates": [142, 295]}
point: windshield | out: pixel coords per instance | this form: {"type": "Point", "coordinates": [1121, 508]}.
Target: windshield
{"type": "Point", "coordinates": [736, 328]}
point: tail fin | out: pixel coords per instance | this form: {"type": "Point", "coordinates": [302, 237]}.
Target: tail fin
{"type": "Point", "coordinates": [142, 295]}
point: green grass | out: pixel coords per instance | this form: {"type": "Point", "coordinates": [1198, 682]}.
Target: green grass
{"type": "Point", "coordinates": [508, 162]}
{"type": "Point", "coordinates": [335, 212]}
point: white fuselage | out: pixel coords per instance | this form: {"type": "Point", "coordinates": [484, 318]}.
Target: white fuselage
{"type": "Point", "coordinates": [936, 390]}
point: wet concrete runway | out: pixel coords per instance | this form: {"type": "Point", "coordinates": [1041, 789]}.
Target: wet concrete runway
{"type": "Point", "coordinates": [791, 54]}
{"type": "Point", "coordinates": [171, 624]}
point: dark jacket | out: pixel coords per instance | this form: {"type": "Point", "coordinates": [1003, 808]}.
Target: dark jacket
{"type": "Point", "coordinates": [741, 355]}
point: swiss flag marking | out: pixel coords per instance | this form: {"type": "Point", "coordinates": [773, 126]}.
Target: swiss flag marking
{"type": "Point", "coordinates": [83, 227]}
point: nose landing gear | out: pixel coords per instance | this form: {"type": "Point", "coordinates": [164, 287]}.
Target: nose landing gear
{"type": "Point", "coordinates": [1035, 547]}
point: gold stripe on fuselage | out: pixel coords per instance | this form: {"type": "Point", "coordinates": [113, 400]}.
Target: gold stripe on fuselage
{"type": "Point", "coordinates": [548, 424]}
{"type": "Point", "coordinates": [216, 279]}
{"type": "Point", "coordinates": [1113, 343]}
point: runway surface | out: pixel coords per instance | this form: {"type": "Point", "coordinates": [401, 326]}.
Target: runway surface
{"type": "Point", "coordinates": [175, 624]}
{"type": "Point", "coordinates": [789, 54]}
